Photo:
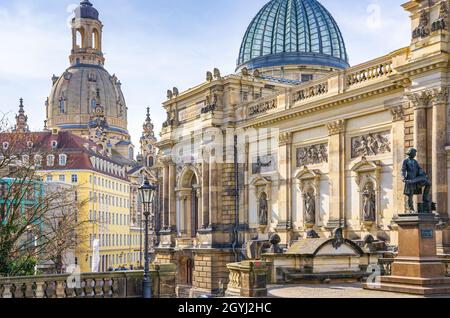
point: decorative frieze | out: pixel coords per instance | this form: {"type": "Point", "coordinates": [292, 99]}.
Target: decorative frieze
{"type": "Point", "coordinates": [311, 155]}
{"type": "Point", "coordinates": [371, 145]}
{"type": "Point", "coordinates": [310, 92]}
{"type": "Point", "coordinates": [262, 107]}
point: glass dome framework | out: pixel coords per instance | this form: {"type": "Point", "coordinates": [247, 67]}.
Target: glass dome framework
{"type": "Point", "coordinates": [286, 32]}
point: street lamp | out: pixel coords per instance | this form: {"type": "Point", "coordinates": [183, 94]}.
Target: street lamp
{"type": "Point", "coordinates": [147, 193]}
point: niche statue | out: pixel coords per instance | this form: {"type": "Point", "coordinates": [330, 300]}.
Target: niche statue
{"type": "Point", "coordinates": [416, 183]}
{"type": "Point", "coordinates": [310, 208]}
{"type": "Point", "coordinates": [369, 203]}
{"type": "Point", "coordinates": [263, 209]}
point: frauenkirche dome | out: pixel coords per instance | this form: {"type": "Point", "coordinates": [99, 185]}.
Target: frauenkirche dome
{"type": "Point", "coordinates": [86, 91]}
{"type": "Point", "coordinates": [293, 32]}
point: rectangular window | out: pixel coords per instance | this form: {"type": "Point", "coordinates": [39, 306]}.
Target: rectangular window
{"type": "Point", "coordinates": [74, 178]}
{"type": "Point", "coordinates": [62, 178]}
{"type": "Point", "coordinates": [62, 160]}
{"type": "Point", "coordinates": [49, 178]}
{"type": "Point", "coordinates": [306, 77]}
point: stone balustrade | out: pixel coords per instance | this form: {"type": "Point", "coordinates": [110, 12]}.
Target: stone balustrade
{"type": "Point", "coordinates": [92, 285]}
{"type": "Point", "coordinates": [365, 73]}
{"type": "Point", "coordinates": [328, 86]}
{"type": "Point", "coordinates": [248, 279]}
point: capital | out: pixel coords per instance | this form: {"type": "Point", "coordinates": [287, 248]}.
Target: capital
{"type": "Point", "coordinates": [420, 99]}
{"type": "Point", "coordinates": [336, 127]}
{"type": "Point", "coordinates": [398, 113]}
{"type": "Point", "coordinates": [439, 96]}
{"type": "Point", "coordinates": [285, 138]}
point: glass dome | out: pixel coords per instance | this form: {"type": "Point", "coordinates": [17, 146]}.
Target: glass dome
{"type": "Point", "coordinates": [290, 32]}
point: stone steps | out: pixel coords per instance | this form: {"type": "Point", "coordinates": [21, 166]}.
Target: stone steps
{"type": "Point", "coordinates": [411, 289]}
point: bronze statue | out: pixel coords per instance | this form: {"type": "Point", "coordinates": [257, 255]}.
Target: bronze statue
{"type": "Point", "coordinates": [415, 180]}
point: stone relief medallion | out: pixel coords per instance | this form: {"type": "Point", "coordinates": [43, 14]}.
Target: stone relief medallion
{"type": "Point", "coordinates": [312, 155]}
{"type": "Point", "coordinates": [371, 145]}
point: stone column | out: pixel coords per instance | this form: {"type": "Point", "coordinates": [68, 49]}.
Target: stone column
{"type": "Point", "coordinates": [165, 210]}
{"type": "Point", "coordinates": [439, 154]}
{"type": "Point", "coordinates": [336, 163]}
{"type": "Point", "coordinates": [172, 222]}
{"type": "Point", "coordinates": [420, 102]}
{"type": "Point", "coordinates": [213, 188]}
{"type": "Point", "coordinates": [206, 221]}
{"type": "Point", "coordinates": [284, 194]}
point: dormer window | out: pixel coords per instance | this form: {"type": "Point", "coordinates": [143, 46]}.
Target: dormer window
{"type": "Point", "coordinates": [30, 145]}
{"type": "Point", "coordinates": [54, 144]}
{"type": "Point", "coordinates": [5, 145]}
{"type": "Point", "coordinates": [50, 160]}
{"type": "Point", "coordinates": [62, 160]}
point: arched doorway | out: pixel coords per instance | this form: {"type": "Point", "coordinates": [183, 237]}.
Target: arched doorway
{"type": "Point", "coordinates": [188, 203]}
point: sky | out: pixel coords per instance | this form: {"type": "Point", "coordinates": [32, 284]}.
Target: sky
{"type": "Point", "coordinates": [154, 45]}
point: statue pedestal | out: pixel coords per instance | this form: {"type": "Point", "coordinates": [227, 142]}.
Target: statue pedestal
{"type": "Point", "coordinates": [417, 269]}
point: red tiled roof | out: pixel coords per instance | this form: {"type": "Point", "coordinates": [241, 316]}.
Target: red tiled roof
{"type": "Point", "coordinates": [78, 150]}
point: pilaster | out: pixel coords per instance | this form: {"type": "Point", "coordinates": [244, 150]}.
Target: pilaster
{"type": "Point", "coordinates": [336, 173]}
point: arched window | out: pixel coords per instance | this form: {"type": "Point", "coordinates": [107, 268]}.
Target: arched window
{"type": "Point", "coordinates": [150, 161]}
{"type": "Point", "coordinates": [50, 160]}
{"type": "Point", "coordinates": [62, 160]}
{"type": "Point", "coordinates": [130, 153]}
{"type": "Point", "coordinates": [80, 39]}
{"type": "Point", "coordinates": [38, 160]}
{"type": "Point", "coordinates": [95, 40]}
{"type": "Point", "coordinates": [62, 106]}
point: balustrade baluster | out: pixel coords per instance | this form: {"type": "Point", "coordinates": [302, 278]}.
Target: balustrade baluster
{"type": "Point", "coordinates": [39, 291]}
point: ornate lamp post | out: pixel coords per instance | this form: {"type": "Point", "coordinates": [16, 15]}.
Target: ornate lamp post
{"type": "Point", "coordinates": [147, 192]}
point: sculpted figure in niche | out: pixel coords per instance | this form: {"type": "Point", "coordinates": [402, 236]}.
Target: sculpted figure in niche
{"type": "Point", "coordinates": [310, 208]}
{"type": "Point", "coordinates": [263, 209]}
{"type": "Point", "coordinates": [369, 203]}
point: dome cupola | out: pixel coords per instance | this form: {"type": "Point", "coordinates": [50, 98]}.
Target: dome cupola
{"type": "Point", "coordinates": [293, 32]}
{"type": "Point", "coordinates": [86, 11]}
